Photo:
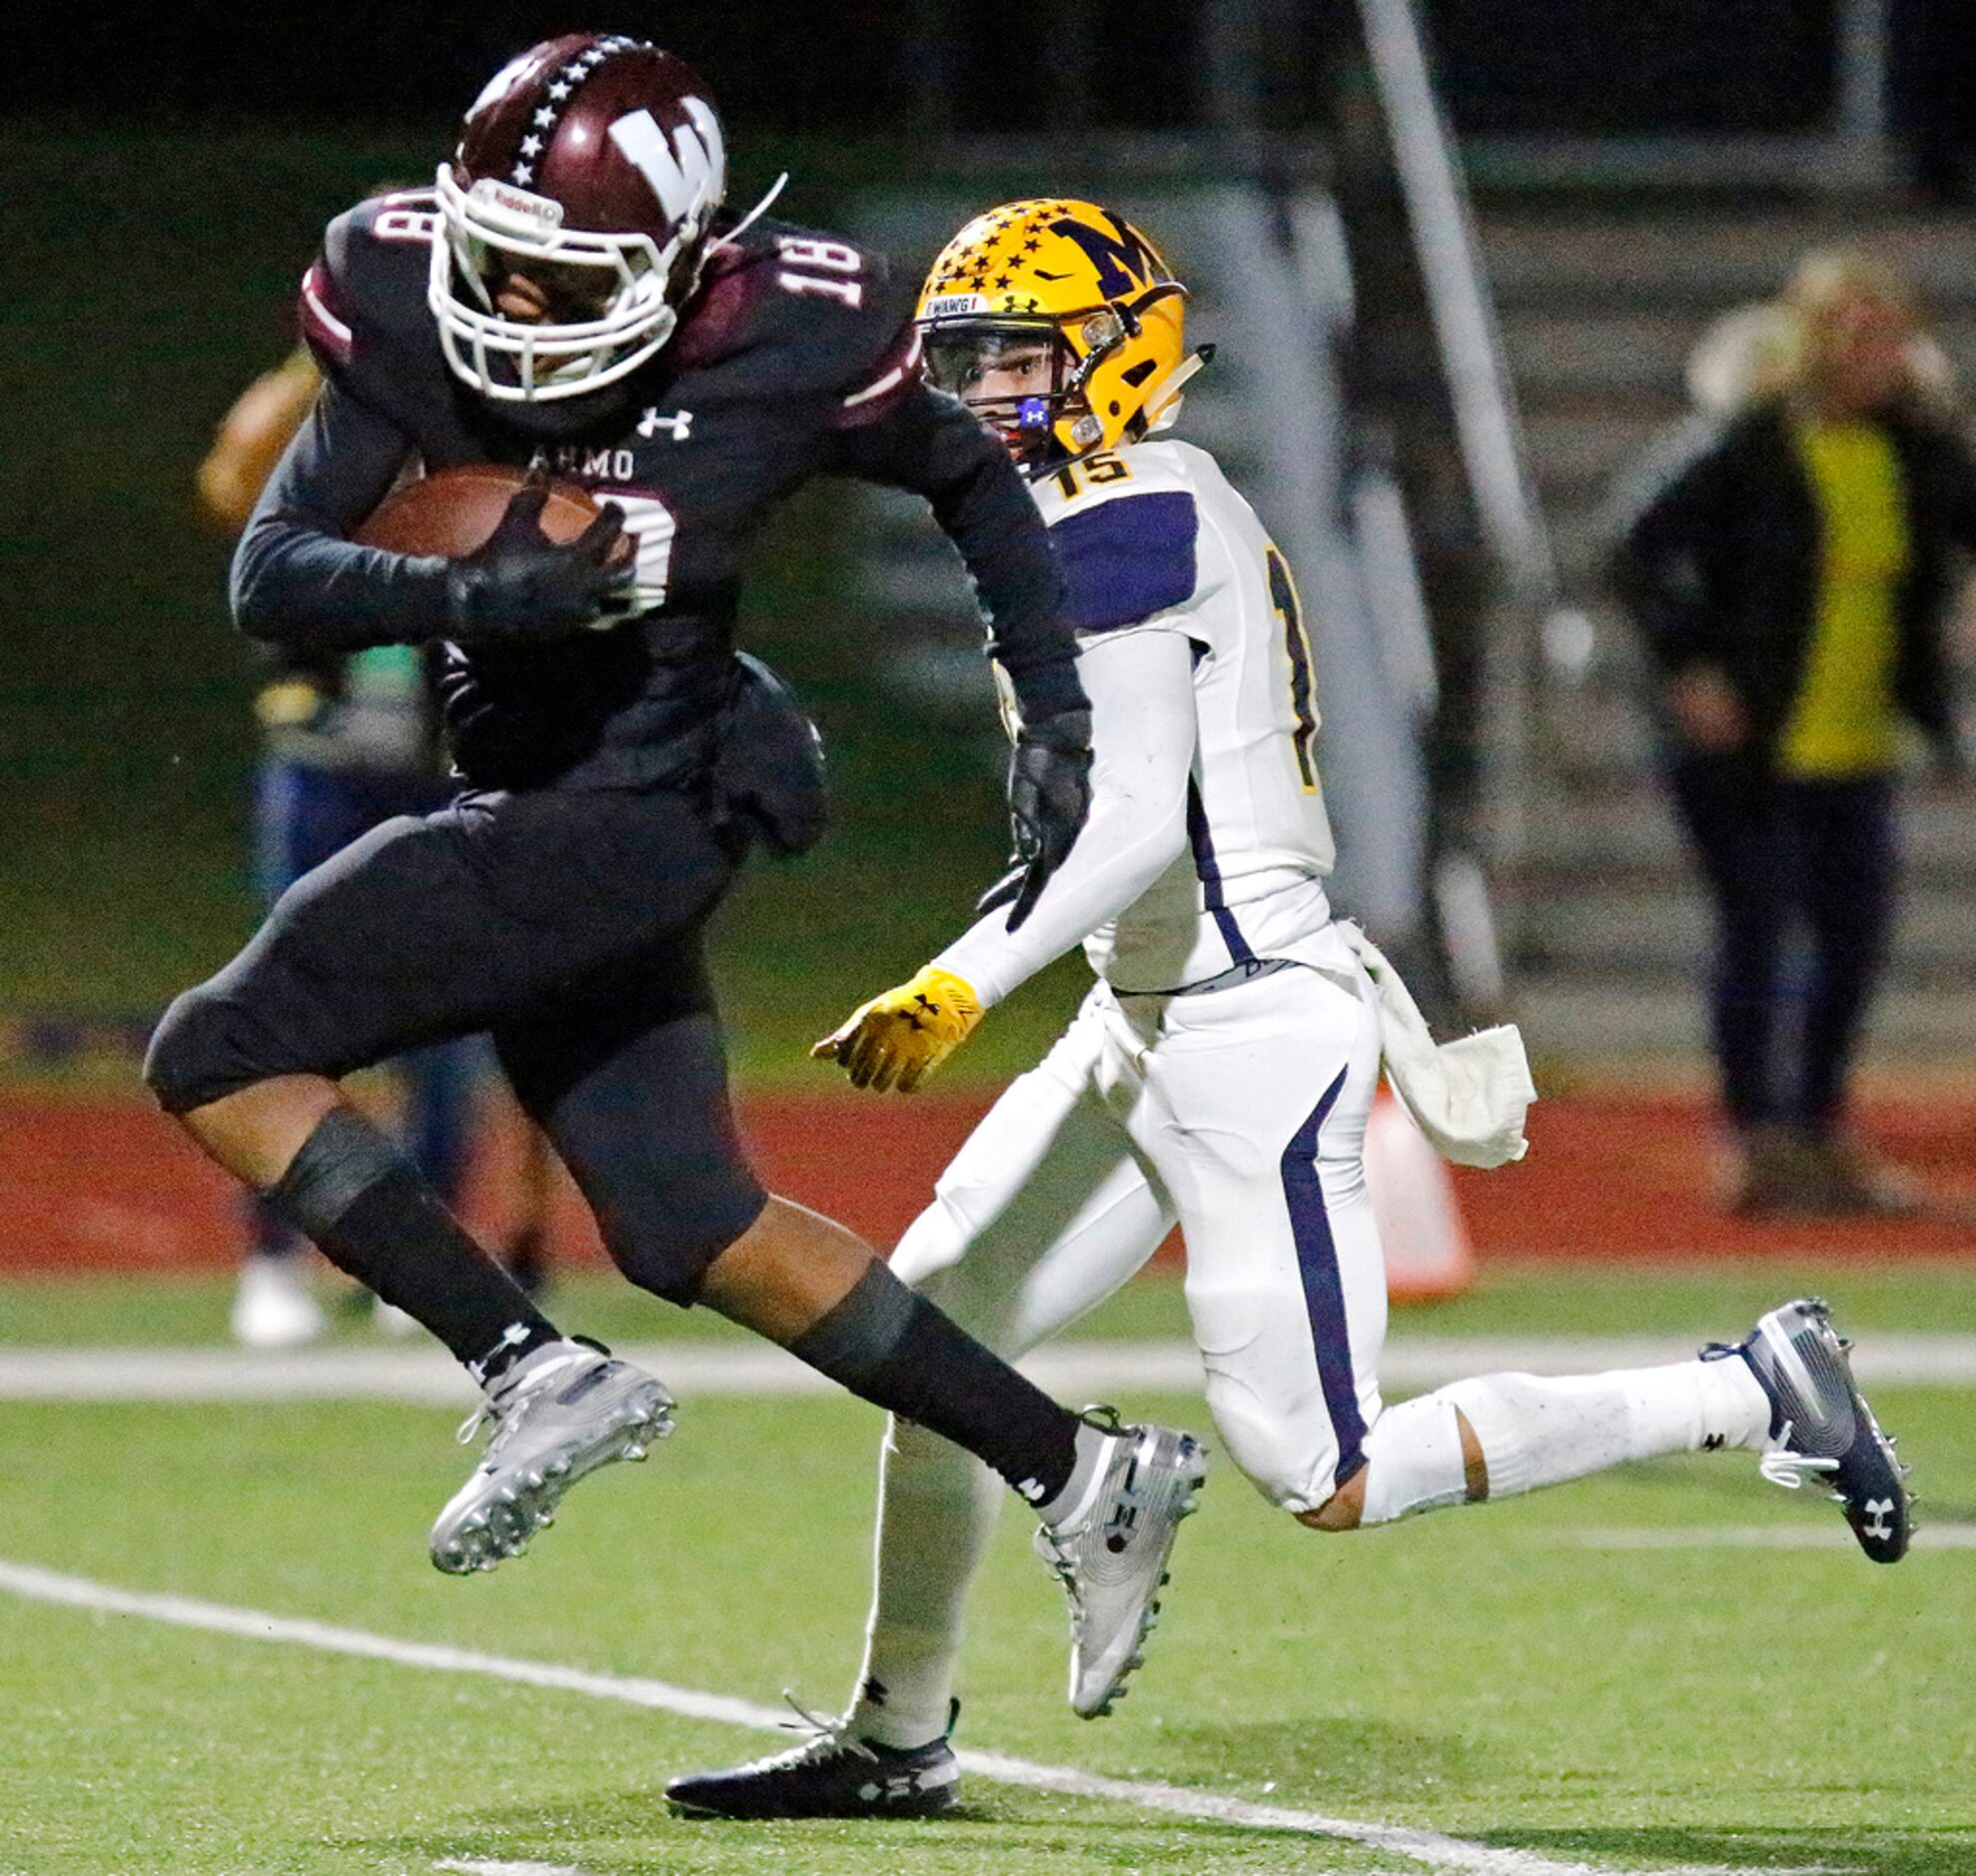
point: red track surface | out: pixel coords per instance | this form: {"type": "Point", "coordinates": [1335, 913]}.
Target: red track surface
{"type": "Point", "coordinates": [105, 1183]}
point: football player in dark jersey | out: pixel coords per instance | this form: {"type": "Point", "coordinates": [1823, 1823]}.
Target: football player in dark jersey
{"type": "Point", "coordinates": [571, 296]}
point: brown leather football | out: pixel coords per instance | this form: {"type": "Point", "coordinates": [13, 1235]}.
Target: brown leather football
{"type": "Point", "coordinates": [451, 511]}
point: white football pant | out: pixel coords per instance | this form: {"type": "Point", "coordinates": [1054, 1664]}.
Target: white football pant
{"type": "Point", "coordinates": [1241, 1112]}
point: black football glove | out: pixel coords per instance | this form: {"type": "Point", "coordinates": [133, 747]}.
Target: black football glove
{"type": "Point", "coordinates": [1049, 797]}
{"type": "Point", "coordinates": [521, 585]}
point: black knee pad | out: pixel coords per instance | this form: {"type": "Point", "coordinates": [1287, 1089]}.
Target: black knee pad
{"type": "Point", "coordinates": [205, 1046]}
{"type": "Point", "coordinates": [668, 1250]}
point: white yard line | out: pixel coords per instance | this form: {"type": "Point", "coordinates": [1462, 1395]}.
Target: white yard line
{"type": "Point", "coordinates": [425, 1374]}
{"type": "Point", "coordinates": [1429, 1848]}
{"type": "Point", "coordinates": [482, 1866]}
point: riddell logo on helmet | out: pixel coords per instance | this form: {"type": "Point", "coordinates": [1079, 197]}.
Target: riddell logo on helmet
{"type": "Point", "coordinates": [519, 202]}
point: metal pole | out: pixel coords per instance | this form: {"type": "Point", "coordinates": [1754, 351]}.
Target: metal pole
{"type": "Point", "coordinates": [1861, 131]}
{"type": "Point", "coordinates": [1486, 433]}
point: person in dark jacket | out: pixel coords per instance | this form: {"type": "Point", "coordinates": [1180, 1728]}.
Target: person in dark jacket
{"type": "Point", "coordinates": [1789, 576]}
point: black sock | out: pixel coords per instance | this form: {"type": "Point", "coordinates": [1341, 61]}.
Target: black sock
{"type": "Point", "coordinates": [368, 1212]}
{"type": "Point", "coordinates": [897, 1349]}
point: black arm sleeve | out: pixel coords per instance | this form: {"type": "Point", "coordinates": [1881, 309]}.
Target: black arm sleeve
{"type": "Point", "coordinates": [1660, 567]}
{"type": "Point", "coordinates": [296, 581]}
{"type": "Point", "coordinates": [927, 442]}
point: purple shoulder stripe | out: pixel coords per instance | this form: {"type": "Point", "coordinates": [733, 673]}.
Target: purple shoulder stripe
{"type": "Point", "coordinates": [1127, 559]}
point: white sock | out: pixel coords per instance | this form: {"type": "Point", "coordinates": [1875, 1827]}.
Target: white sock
{"type": "Point", "coordinates": [937, 1509]}
{"type": "Point", "coordinates": [1413, 1459]}
{"type": "Point", "coordinates": [1535, 1430]}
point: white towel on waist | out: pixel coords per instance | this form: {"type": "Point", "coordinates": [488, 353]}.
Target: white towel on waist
{"type": "Point", "coordinates": [1470, 1096]}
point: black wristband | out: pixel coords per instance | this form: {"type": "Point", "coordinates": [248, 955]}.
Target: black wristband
{"type": "Point", "coordinates": [1048, 689]}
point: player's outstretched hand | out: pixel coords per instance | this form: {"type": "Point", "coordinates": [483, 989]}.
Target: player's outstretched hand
{"type": "Point", "coordinates": [522, 584]}
{"type": "Point", "coordinates": [898, 1039]}
{"type": "Point", "coordinates": [1049, 797]}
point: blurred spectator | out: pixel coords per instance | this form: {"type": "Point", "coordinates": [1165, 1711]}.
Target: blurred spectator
{"type": "Point", "coordinates": [345, 743]}
{"type": "Point", "coordinates": [1789, 572]}
{"type": "Point", "coordinates": [1747, 354]}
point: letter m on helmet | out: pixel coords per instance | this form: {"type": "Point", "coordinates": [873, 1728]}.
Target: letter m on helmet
{"type": "Point", "coordinates": [1125, 260]}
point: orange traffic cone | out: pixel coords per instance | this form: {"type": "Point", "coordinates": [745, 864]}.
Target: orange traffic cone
{"type": "Point", "coordinates": [1427, 1255]}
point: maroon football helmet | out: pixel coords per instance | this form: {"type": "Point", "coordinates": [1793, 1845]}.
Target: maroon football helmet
{"type": "Point", "coordinates": [590, 168]}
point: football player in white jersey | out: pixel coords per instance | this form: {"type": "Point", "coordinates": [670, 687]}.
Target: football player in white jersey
{"type": "Point", "coordinates": [1221, 1071]}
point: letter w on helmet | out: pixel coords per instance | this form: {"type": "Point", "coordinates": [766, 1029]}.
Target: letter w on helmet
{"type": "Point", "coordinates": [591, 167]}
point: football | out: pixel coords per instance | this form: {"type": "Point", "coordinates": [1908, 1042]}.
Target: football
{"type": "Point", "coordinates": [451, 511]}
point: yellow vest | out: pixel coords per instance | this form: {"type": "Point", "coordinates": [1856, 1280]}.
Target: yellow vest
{"type": "Point", "coordinates": [1845, 722]}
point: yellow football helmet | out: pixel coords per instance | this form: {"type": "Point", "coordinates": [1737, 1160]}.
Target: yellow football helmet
{"type": "Point", "coordinates": [1081, 280]}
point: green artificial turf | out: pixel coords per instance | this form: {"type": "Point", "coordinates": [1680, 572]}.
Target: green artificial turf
{"type": "Point", "coordinates": [1478, 1672]}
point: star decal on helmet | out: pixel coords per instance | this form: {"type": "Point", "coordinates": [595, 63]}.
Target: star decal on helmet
{"type": "Point", "coordinates": [557, 97]}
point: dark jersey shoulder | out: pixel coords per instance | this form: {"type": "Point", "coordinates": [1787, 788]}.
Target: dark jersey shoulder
{"type": "Point", "coordinates": [364, 315]}
{"type": "Point", "coordinates": [364, 298]}
{"type": "Point", "coordinates": [792, 311]}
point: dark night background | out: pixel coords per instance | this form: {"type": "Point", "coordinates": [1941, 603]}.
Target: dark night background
{"type": "Point", "coordinates": [1582, 65]}
{"type": "Point", "coordinates": [166, 173]}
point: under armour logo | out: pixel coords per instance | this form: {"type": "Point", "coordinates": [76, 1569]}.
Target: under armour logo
{"type": "Point", "coordinates": [1877, 1522]}
{"type": "Point", "coordinates": [1120, 1526]}
{"type": "Point", "coordinates": [680, 422]}
{"type": "Point", "coordinates": [894, 1790]}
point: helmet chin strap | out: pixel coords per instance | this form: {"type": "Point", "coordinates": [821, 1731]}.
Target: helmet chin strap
{"type": "Point", "coordinates": [755, 215]}
{"type": "Point", "coordinates": [1163, 400]}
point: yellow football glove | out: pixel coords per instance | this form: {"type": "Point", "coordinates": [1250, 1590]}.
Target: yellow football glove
{"type": "Point", "coordinates": [898, 1039]}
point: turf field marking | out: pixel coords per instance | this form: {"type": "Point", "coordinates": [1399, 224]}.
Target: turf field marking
{"type": "Point", "coordinates": [1428, 1847]}
{"type": "Point", "coordinates": [425, 1375]}
{"type": "Point", "coordinates": [480, 1866]}
{"type": "Point", "coordinates": [1750, 1538]}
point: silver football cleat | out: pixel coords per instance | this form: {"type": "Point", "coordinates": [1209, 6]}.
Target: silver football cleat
{"type": "Point", "coordinates": [1821, 1427]}
{"type": "Point", "coordinates": [557, 1415]}
{"type": "Point", "coordinates": [1113, 1560]}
